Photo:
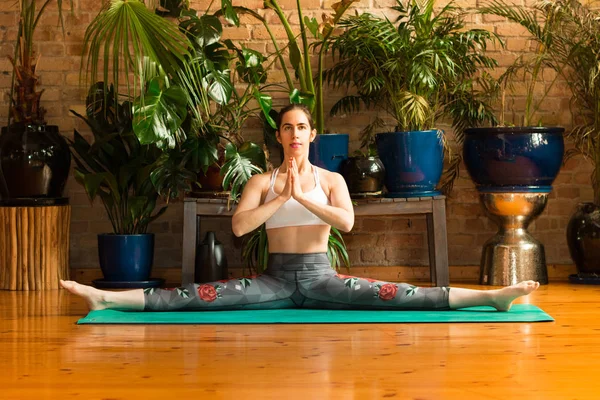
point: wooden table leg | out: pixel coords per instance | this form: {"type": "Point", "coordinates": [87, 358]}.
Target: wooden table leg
{"type": "Point", "coordinates": [188, 258]}
{"type": "Point", "coordinates": [431, 248]}
{"type": "Point", "coordinates": [440, 242]}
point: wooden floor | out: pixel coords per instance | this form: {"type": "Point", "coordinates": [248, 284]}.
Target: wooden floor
{"type": "Point", "coordinates": [44, 355]}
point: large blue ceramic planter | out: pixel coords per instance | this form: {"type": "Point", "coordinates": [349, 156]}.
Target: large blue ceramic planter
{"type": "Point", "coordinates": [328, 151]}
{"type": "Point", "coordinates": [513, 159]}
{"type": "Point", "coordinates": [126, 258]}
{"type": "Point", "coordinates": [413, 162]}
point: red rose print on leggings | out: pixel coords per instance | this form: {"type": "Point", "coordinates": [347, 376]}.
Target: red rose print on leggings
{"type": "Point", "coordinates": [207, 293]}
{"type": "Point", "coordinates": [388, 291]}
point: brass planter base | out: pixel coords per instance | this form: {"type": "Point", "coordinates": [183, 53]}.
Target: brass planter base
{"type": "Point", "coordinates": [513, 255]}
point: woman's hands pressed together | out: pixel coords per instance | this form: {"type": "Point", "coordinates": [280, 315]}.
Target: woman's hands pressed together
{"type": "Point", "coordinates": [292, 187]}
{"type": "Point", "coordinates": [297, 193]}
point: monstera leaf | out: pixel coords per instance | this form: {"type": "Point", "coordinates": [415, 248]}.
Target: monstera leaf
{"type": "Point", "coordinates": [202, 31]}
{"type": "Point", "coordinates": [158, 114]}
{"type": "Point", "coordinates": [241, 165]}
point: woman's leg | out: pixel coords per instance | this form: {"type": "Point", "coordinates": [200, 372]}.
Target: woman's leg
{"type": "Point", "coordinates": [331, 290]}
{"type": "Point", "coordinates": [103, 299]}
{"type": "Point", "coordinates": [500, 299]}
{"type": "Point", "coordinates": [342, 291]}
{"type": "Point", "coordinates": [260, 291]}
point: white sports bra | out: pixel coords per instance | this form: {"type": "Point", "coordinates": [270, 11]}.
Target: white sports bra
{"type": "Point", "coordinates": [292, 213]}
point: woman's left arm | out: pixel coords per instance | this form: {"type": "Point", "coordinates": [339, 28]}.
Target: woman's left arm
{"type": "Point", "coordinates": [340, 214]}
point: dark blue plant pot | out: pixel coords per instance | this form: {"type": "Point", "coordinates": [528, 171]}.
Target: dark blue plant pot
{"type": "Point", "coordinates": [328, 151]}
{"type": "Point", "coordinates": [513, 159]}
{"type": "Point", "coordinates": [413, 162]}
{"type": "Point", "coordinates": [126, 258]}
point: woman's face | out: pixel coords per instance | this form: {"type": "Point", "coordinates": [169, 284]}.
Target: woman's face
{"type": "Point", "coordinates": [295, 134]}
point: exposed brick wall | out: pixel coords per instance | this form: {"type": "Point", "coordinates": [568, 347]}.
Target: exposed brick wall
{"type": "Point", "coordinates": [373, 241]}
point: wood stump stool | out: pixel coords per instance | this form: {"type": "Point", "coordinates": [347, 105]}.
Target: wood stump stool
{"type": "Point", "coordinates": [34, 246]}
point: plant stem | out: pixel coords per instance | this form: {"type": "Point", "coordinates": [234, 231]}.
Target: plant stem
{"type": "Point", "coordinates": [307, 67]}
{"type": "Point", "coordinates": [292, 39]}
{"type": "Point", "coordinates": [288, 78]}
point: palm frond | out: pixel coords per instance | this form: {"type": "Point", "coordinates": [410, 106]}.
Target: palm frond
{"type": "Point", "coordinates": [121, 35]}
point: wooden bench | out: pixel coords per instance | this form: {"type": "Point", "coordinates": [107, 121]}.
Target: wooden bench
{"type": "Point", "coordinates": [433, 207]}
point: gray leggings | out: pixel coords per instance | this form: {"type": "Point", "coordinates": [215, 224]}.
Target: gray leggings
{"type": "Point", "coordinates": [297, 281]}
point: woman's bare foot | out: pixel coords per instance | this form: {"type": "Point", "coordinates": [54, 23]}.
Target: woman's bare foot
{"type": "Point", "coordinates": [502, 298]}
{"type": "Point", "coordinates": [95, 298]}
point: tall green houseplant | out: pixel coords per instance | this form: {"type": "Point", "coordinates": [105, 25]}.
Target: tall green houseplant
{"type": "Point", "coordinates": [420, 69]}
{"type": "Point", "coordinates": [184, 94]}
{"type": "Point", "coordinates": [581, 34]}
{"type": "Point", "coordinates": [116, 167]}
{"type": "Point", "coordinates": [523, 153]}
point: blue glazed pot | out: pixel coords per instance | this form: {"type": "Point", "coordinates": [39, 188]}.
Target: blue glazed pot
{"type": "Point", "coordinates": [125, 258]}
{"type": "Point", "coordinates": [328, 151]}
{"type": "Point", "coordinates": [515, 159]}
{"type": "Point", "coordinates": [413, 162]}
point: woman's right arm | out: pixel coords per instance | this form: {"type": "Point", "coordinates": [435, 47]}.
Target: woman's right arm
{"type": "Point", "coordinates": [250, 214]}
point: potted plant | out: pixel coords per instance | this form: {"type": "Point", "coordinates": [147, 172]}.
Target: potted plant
{"type": "Point", "coordinates": [116, 167]}
{"type": "Point", "coordinates": [419, 71]}
{"type": "Point", "coordinates": [34, 157]}
{"type": "Point", "coordinates": [522, 155]}
{"type": "Point", "coordinates": [326, 151]}
{"type": "Point", "coordinates": [187, 85]}
{"type": "Point", "coordinates": [581, 34]}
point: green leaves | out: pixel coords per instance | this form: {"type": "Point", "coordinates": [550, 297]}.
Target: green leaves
{"type": "Point", "coordinates": [255, 252]}
{"type": "Point", "coordinates": [548, 26]}
{"type": "Point", "coordinates": [170, 176]}
{"type": "Point", "coordinates": [266, 104]}
{"type": "Point", "coordinates": [306, 98]}
{"type": "Point", "coordinates": [158, 114]}
{"type": "Point", "coordinates": [336, 250]}
{"type": "Point", "coordinates": [116, 167]}
{"type": "Point", "coordinates": [203, 31]}
{"type": "Point", "coordinates": [414, 69]}
{"type": "Point", "coordinates": [229, 12]}
{"type": "Point", "coordinates": [241, 165]}
{"type": "Point", "coordinates": [125, 32]}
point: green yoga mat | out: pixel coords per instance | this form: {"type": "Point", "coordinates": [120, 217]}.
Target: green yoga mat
{"type": "Point", "coordinates": [518, 313]}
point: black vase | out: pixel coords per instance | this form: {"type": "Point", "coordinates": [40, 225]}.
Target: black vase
{"type": "Point", "coordinates": [211, 262]}
{"type": "Point", "coordinates": [363, 175]}
{"type": "Point", "coordinates": [583, 238]}
{"type": "Point", "coordinates": [34, 161]}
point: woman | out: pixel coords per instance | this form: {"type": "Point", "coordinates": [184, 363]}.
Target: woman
{"type": "Point", "coordinates": [299, 203]}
